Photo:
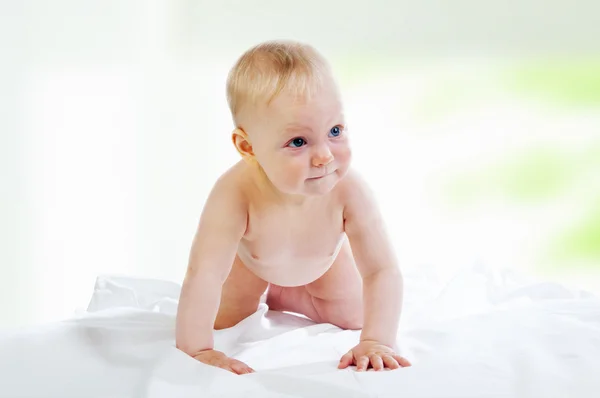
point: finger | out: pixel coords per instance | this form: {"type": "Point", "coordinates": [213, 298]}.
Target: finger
{"type": "Point", "coordinates": [401, 361]}
{"type": "Point", "coordinates": [241, 368]}
{"type": "Point", "coordinates": [390, 362]}
{"type": "Point", "coordinates": [245, 370]}
{"type": "Point", "coordinates": [238, 368]}
{"type": "Point", "coordinates": [346, 360]}
{"type": "Point", "coordinates": [362, 363]}
{"type": "Point", "coordinates": [376, 362]}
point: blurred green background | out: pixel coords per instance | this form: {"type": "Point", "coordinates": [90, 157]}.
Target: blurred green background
{"type": "Point", "coordinates": [525, 173]}
{"type": "Point", "coordinates": [476, 123]}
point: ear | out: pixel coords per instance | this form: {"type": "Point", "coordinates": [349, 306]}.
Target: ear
{"type": "Point", "coordinates": [242, 143]}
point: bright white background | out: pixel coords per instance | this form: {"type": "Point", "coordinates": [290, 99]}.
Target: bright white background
{"type": "Point", "coordinates": [114, 125]}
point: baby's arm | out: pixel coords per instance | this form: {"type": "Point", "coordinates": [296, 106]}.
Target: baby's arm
{"type": "Point", "coordinates": [382, 279]}
{"type": "Point", "coordinates": [222, 225]}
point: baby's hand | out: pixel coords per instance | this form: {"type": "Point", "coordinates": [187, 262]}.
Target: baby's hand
{"type": "Point", "coordinates": [369, 352]}
{"type": "Point", "coordinates": [220, 360]}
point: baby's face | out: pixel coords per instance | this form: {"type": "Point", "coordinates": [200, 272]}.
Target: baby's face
{"type": "Point", "coordinates": [302, 145]}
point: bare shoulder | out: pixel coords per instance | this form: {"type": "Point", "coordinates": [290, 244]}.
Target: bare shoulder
{"type": "Point", "coordinates": [227, 200]}
{"type": "Point", "coordinates": [232, 179]}
{"type": "Point", "coordinates": [357, 197]}
{"type": "Point", "coordinates": [354, 181]}
{"type": "Point", "coordinates": [232, 185]}
{"type": "Point", "coordinates": [365, 226]}
{"type": "Point", "coordinates": [222, 224]}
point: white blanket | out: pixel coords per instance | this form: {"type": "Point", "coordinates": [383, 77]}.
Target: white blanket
{"type": "Point", "coordinates": [483, 334]}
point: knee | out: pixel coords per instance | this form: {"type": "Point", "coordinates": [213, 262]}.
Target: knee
{"type": "Point", "coordinates": [349, 323]}
{"type": "Point", "coordinates": [347, 319]}
{"type": "Point", "coordinates": [228, 317]}
{"type": "Point", "coordinates": [273, 299]}
{"type": "Point", "coordinates": [221, 324]}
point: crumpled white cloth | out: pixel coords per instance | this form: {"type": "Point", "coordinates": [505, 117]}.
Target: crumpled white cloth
{"type": "Point", "coordinates": [483, 334]}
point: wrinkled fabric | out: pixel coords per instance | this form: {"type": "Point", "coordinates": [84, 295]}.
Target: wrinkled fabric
{"type": "Point", "coordinates": [482, 334]}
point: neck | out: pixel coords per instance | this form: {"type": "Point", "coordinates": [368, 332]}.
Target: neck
{"type": "Point", "coordinates": [275, 195]}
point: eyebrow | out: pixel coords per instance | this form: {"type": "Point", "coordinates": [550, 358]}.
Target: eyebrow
{"type": "Point", "coordinates": [290, 127]}
{"type": "Point", "coordinates": [295, 127]}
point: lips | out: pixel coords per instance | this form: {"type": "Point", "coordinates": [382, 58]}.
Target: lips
{"type": "Point", "coordinates": [319, 177]}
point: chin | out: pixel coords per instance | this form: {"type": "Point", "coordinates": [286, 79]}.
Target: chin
{"type": "Point", "coordinates": [321, 186]}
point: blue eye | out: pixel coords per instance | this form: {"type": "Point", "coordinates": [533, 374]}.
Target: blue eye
{"type": "Point", "coordinates": [297, 142]}
{"type": "Point", "coordinates": [335, 131]}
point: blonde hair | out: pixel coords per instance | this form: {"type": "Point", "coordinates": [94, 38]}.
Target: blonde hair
{"type": "Point", "coordinates": [265, 70]}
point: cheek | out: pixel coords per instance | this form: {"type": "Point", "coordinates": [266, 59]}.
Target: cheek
{"type": "Point", "coordinates": [269, 165]}
{"type": "Point", "coordinates": [284, 169]}
{"type": "Point", "coordinates": [295, 167]}
{"type": "Point", "coordinates": [343, 154]}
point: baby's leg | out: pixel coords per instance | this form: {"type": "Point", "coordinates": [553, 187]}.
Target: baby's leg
{"type": "Point", "coordinates": [336, 297]}
{"type": "Point", "coordinates": [240, 295]}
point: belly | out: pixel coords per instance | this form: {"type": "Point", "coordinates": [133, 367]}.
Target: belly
{"type": "Point", "coordinates": [287, 270]}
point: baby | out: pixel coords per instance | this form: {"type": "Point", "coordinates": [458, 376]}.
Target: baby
{"type": "Point", "coordinates": [291, 218]}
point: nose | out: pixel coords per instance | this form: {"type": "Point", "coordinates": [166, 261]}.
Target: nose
{"type": "Point", "coordinates": [322, 156]}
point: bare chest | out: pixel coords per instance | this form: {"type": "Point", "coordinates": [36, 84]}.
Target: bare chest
{"type": "Point", "coordinates": [291, 248]}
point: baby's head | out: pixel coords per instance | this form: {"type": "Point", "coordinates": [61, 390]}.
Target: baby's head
{"type": "Point", "coordinates": [289, 117]}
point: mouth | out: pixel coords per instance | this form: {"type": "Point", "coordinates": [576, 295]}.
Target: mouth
{"type": "Point", "coordinates": [320, 177]}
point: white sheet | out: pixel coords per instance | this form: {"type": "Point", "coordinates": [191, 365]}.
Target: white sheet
{"type": "Point", "coordinates": [484, 334]}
